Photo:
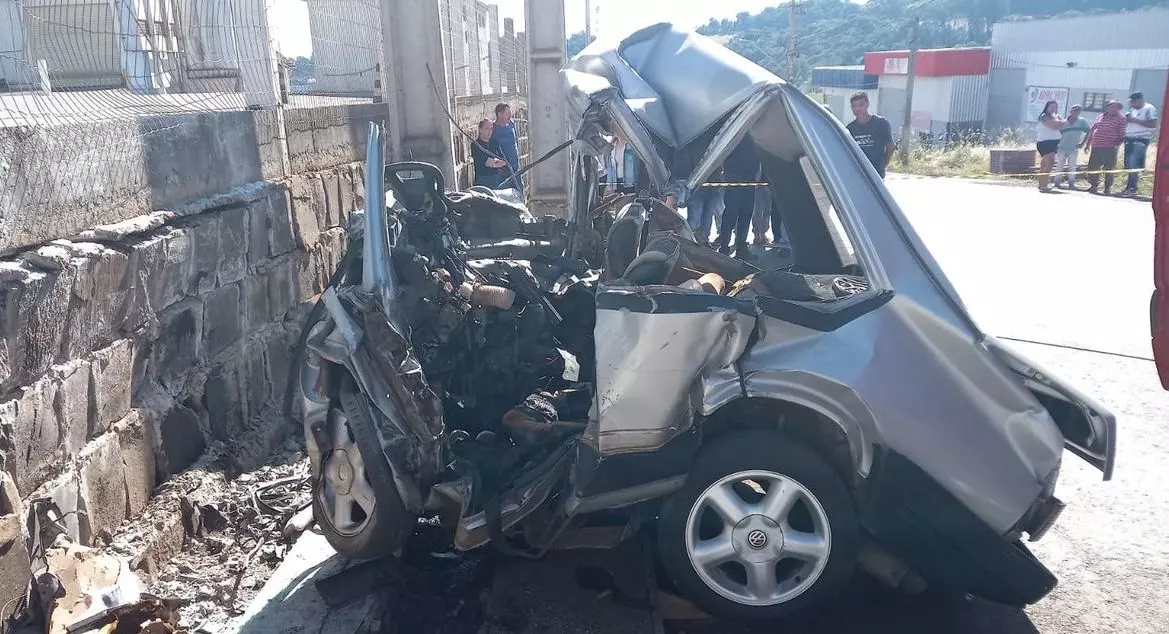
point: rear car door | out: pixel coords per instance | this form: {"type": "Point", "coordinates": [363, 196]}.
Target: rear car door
{"type": "Point", "coordinates": [1160, 301]}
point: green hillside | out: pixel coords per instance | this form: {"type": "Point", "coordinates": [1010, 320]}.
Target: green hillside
{"type": "Point", "coordinates": [839, 32]}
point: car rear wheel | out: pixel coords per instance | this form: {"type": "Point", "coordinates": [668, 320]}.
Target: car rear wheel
{"type": "Point", "coordinates": [355, 501]}
{"type": "Point", "coordinates": [762, 529]}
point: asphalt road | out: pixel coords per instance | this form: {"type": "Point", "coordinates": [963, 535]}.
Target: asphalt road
{"type": "Point", "coordinates": [1073, 269]}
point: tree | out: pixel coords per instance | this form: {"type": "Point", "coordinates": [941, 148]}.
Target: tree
{"type": "Point", "coordinates": [714, 27]}
{"type": "Point", "coordinates": [576, 43]}
{"type": "Point", "coordinates": [833, 32]}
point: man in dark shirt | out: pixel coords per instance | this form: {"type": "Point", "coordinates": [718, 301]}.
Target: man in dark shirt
{"type": "Point", "coordinates": [871, 132]}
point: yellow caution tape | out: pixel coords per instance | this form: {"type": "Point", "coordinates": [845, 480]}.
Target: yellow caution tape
{"type": "Point", "coordinates": [1076, 173]}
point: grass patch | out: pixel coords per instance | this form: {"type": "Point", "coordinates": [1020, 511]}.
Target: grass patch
{"type": "Point", "coordinates": [957, 161]}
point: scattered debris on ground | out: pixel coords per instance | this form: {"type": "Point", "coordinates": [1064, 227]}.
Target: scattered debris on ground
{"type": "Point", "coordinates": [80, 590]}
{"type": "Point", "coordinates": [233, 533]}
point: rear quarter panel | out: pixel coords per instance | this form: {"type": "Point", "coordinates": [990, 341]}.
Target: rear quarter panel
{"type": "Point", "coordinates": [911, 383]}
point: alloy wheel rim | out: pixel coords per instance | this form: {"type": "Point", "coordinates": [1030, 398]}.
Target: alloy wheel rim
{"type": "Point", "coordinates": [758, 538]}
{"type": "Point", "coordinates": [345, 493]}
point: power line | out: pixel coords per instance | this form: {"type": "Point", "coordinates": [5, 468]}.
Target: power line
{"type": "Point", "coordinates": [1076, 348]}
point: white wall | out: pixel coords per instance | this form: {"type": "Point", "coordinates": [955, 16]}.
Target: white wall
{"type": "Point", "coordinates": [1096, 53]}
{"type": "Point", "coordinates": [932, 95]}
{"type": "Point", "coordinates": [957, 99]}
{"type": "Point", "coordinates": [346, 45]}
{"type": "Point", "coordinates": [78, 41]}
{"type": "Point", "coordinates": [1093, 69]}
{"type": "Point", "coordinates": [14, 69]}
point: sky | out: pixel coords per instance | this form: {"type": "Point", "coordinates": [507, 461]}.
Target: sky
{"type": "Point", "coordinates": [612, 18]}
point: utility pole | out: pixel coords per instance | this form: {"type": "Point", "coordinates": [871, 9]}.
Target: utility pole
{"type": "Point", "coordinates": [907, 124]}
{"type": "Point", "coordinates": [791, 41]}
{"type": "Point", "coordinates": [588, 22]}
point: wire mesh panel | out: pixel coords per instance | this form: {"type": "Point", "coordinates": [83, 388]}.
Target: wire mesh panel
{"type": "Point", "coordinates": [347, 48]}
{"type": "Point", "coordinates": [485, 62]}
{"type": "Point", "coordinates": [112, 109]}
{"type": "Point", "coordinates": [77, 41]}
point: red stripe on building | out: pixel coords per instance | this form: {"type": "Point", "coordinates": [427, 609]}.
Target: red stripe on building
{"type": "Point", "coordinates": [937, 62]}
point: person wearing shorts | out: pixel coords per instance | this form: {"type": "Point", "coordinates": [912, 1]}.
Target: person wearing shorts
{"type": "Point", "coordinates": [1050, 124]}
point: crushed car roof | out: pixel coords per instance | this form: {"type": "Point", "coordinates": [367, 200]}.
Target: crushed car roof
{"type": "Point", "coordinates": [677, 83]}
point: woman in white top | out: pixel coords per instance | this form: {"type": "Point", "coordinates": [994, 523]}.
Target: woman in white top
{"type": "Point", "coordinates": [1050, 124]}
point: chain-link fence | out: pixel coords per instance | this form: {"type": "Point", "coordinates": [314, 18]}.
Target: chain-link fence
{"type": "Point", "coordinates": [346, 50]}
{"type": "Point", "coordinates": [486, 61]}
{"type": "Point", "coordinates": [107, 104]}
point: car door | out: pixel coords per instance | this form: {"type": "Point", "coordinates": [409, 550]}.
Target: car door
{"type": "Point", "coordinates": [1159, 306]}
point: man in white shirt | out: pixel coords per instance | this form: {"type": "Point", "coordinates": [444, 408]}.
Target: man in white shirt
{"type": "Point", "coordinates": [1142, 125]}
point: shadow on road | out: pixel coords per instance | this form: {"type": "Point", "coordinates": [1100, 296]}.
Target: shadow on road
{"type": "Point", "coordinates": [569, 592]}
{"type": "Point", "coordinates": [871, 609]}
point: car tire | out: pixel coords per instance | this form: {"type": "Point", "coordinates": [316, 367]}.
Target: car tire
{"type": "Point", "coordinates": [385, 523]}
{"type": "Point", "coordinates": [798, 527]}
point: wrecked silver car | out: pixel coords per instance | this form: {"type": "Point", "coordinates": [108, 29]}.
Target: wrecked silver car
{"type": "Point", "coordinates": [542, 383]}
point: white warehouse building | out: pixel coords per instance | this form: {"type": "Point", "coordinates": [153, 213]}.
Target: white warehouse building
{"type": "Point", "coordinates": [1083, 60]}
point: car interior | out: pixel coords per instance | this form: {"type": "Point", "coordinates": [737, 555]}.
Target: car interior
{"type": "Point", "coordinates": [819, 265]}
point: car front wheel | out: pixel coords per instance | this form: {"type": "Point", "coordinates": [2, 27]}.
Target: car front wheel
{"type": "Point", "coordinates": [762, 529]}
{"type": "Point", "coordinates": [355, 501]}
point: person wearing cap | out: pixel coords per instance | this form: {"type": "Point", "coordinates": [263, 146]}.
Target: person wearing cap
{"type": "Point", "coordinates": [1070, 141]}
{"type": "Point", "coordinates": [1138, 134]}
{"type": "Point", "coordinates": [1104, 140]}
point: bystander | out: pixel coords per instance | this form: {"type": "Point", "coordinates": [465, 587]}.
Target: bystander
{"type": "Point", "coordinates": [871, 132]}
{"type": "Point", "coordinates": [1138, 134]}
{"type": "Point", "coordinates": [489, 166]}
{"type": "Point", "coordinates": [1068, 155]}
{"type": "Point", "coordinates": [740, 167]}
{"type": "Point", "coordinates": [1104, 139]}
{"type": "Point", "coordinates": [504, 133]}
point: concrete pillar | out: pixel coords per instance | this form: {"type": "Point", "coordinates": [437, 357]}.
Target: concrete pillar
{"type": "Point", "coordinates": [547, 108]}
{"type": "Point", "coordinates": [493, 49]}
{"type": "Point", "coordinates": [509, 56]}
{"type": "Point", "coordinates": [256, 53]}
{"type": "Point", "coordinates": [416, 85]}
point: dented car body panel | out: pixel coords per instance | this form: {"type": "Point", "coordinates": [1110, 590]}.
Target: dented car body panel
{"type": "Point", "coordinates": [624, 344]}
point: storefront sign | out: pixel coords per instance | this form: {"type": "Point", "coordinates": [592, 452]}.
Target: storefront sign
{"type": "Point", "coordinates": [896, 66]}
{"type": "Point", "coordinates": [1037, 96]}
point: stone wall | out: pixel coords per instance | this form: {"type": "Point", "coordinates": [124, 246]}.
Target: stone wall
{"type": "Point", "coordinates": [126, 351]}
{"type": "Point", "coordinates": [127, 348]}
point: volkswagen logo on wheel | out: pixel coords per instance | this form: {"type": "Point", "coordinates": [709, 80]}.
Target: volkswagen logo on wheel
{"type": "Point", "coordinates": [756, 539]}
